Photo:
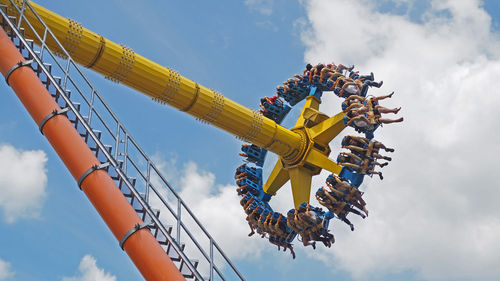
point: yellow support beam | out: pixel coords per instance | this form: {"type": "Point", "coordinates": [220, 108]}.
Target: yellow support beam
{"type": "Point", "coordinates": [278, 177]}
{"type": "Point", "coordinates": [318, 159]}
{"type": "Point", "coordinates": [121, 64]}
{"type": "Point", "coordinates": [325, 131]}
{"type": "Point", "coordinates": [313, 103]}
{"type": "Point", "coordinates": [303, 150]}
{"type": "Point", "coordinates": [300, 178]}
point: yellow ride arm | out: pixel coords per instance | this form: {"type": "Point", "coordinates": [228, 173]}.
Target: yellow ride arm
{"type": "Point", "coordinates": [121, 64]}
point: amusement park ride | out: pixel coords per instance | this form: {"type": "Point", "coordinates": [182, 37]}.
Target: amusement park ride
{"type": "Point", "coordinates": [39, 51]}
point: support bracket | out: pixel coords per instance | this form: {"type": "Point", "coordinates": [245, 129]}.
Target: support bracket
{"type": "Point", "coordinates": [18, 65]}
{"type": "Point", "coordinates": [90, 171]}
{"type": "Point", "coordinates": [134, 229]}
{"type": "Point", "coordinates": [52, 114]}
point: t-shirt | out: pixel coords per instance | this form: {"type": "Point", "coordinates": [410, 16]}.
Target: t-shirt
{"type": "Point", "coordinates": [360, 123]}
{"type": "Point", "coordinates": [351, 89]}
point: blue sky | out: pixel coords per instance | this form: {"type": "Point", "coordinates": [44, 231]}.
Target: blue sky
{"type": "Point", "coordinates": [243, 49]}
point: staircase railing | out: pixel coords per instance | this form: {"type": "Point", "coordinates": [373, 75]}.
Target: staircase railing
{"type": "Point", "coordinates": [171, 221]}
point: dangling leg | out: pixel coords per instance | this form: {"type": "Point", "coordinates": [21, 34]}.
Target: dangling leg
{"type": "Point", "coordinates": [365, 211]}
{"type": "Point", "coordinates": [382, 109]}
{"type": "Point", "coordinates": [381, 145]}
{"type": "Point", "coordinates": [370, 77]}
{"type": "Point", "coordinates": [378, 156]}
{"type": "Point", "coordinates": [389, 121]}
{"type": "Point", "coordinates": [361, 200]}
{"type": "Point", "coordinates": [383, 97]}
{"type": "Point", "coordinates": [375, 163]}
{"type": "Point", "coordinates": [291, 251]}
{"type": "Point", "coordinates": [360, 206]}
{"type": "Point", "coordinates": [243, 202]}
{"type": "Point", "coordinates": [252, 230]}
{"type": "Point", "coordinates": [329, 238]}
{"type": "Point", "coordinates": [363, 78]}
{"type": "Point", "coordinates": [309, 239]}
{"type": "Point", "coordinates": [306, 242]}
{"type": "Point", "coordinates": [364, 90]}
{"type": "Point", "coordinates": [373, 83]}
{"type": "Point", "coordinates": [344, 219]}
{"type": "Point", "coordinates": [283, 244]}
{"type": "Point", "coordinates": [376, 173]}
{"type": "Point", "coordinates": [356, 212]}
{"type": "Point", "coordinates": [325, 241]}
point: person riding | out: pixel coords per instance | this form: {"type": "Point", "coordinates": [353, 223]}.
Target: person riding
{"type": "Point", "coordinates": [253, 212]}
{"type": "Point", "coordinates": [362, 166]}
{"type": "Point", "coordinates": [366, 152]}
{"type": "Point", "coordinates": [365, 143]}
{"type": "Point", "coordinates": [352, 101]}
{"type": "Point", "coordinates": [347, 192]}
{"type": "Point", "coordinates": [274, 100]}
{"type": "Point", "coordinates": [295, 225]}
{"type": "Point", "coordinates": [332, 70]}
{"type": "Point", "coordinates": [307, 69]}
{"type": "Point", "coordinates": [340, 67]}
{"type": "Point", "coordinates": [334, 204]}
{"type": "Point", "coordinates": [355, 76]}
{"type": "Point", "coordinates": [304, 224]}
{"type": "Point", "coordinates": [285, 234]}
{"type": "Point", "coordinates": [365, 148]}
{"type": "Point", "coordinates": [345, 87]}
{"type": "Point", "coordinates": [312, 225]}
{"type": "Point", "coordinates": [315, 72]}
{"type": "Point", "coordinates": [261, 222]}
{"type": "Point", "coordinates": [371, 105]}
{"type": "Point", "coordinates": [339, 208]}
{"type": "Point", "coordinates": [364, 119]}
{"type": "Point", "coordinates": [278, 233]}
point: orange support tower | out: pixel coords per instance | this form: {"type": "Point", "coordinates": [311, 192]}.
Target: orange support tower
{"type": "Point", "coordinates": [141, 246]}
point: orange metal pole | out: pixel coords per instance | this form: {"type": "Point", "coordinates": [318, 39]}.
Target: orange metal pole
{"type": "Point", "coordinates": [142, 247]}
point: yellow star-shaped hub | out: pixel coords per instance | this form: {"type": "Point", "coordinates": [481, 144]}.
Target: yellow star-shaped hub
{"type": "Point", "coordinates": [316, 131]}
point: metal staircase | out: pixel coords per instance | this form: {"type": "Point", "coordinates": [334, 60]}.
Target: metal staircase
{"type": "Point", "coordinates": [186, 241]}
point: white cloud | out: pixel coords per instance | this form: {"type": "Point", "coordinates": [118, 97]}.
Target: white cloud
{"type": "Point", "coordinates": [89, 271]}
{"type": "Point", "coordinates": [5, 270]}
{"type": "Point", "coordinates": [23, 182]}
{"type": "Point", "coordinates": [435, 213]}
{"type": "Point", "coordinates": [264, 7]}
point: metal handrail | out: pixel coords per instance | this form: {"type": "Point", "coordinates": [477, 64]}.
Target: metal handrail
{"type": "Point", "coordinates": [101, 146]}
{"type": "Point", "coordinates": [128, 140]}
